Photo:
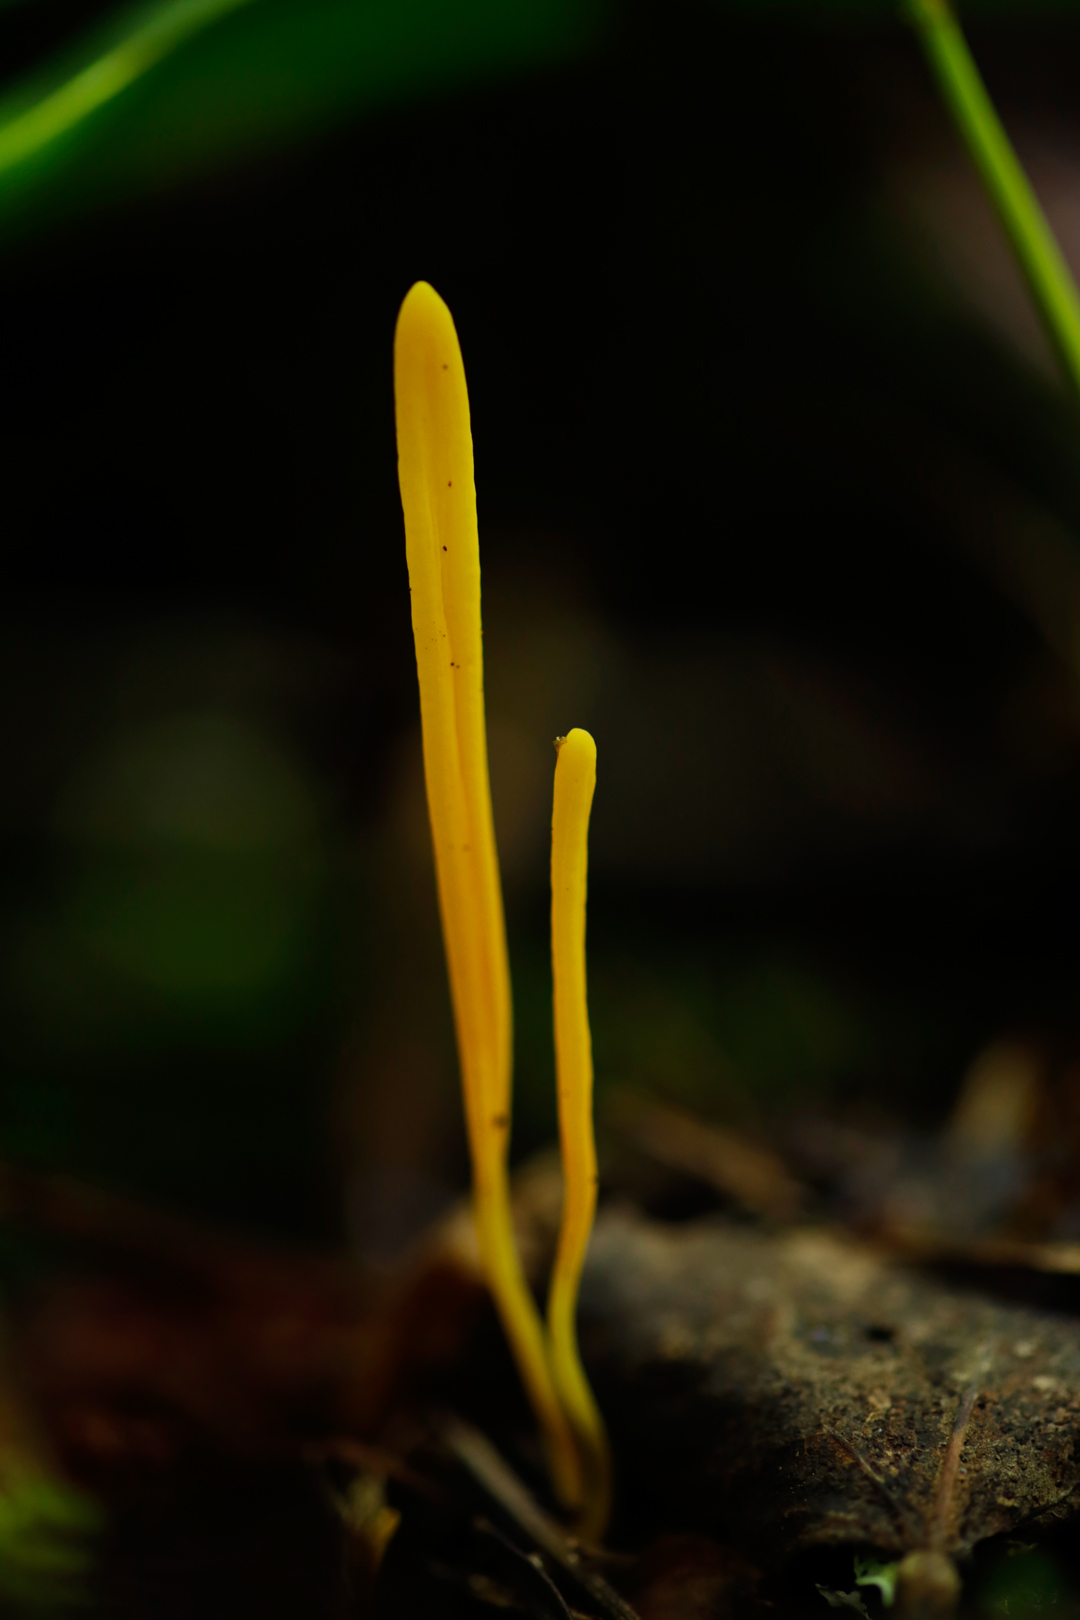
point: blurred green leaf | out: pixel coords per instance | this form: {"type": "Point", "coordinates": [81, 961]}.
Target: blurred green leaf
{"type": "Point", "coordinates": [46, 1533]}
{"type": "Point", "coordinates": [38, 126]}
{"type": "Point", "coordinates": [1024, 1583]}
{"type": "Point", "coordinates": [196, 883]}
{"type": "Point", "coordinates": [186, 82]}
{"type": "Point", "coordinates": [868, 1572]}
{"type": "Point", "coordinates": [170, 88]}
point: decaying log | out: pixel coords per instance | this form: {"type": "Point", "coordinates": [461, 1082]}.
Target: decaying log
{"type": "Point", "coordinates": [801, 1389]}
{"type": "Point", "coordinates": [776, 1390]}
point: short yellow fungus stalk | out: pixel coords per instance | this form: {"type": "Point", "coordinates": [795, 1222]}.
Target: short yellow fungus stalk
{"type": "Point", "coordinates": [575, 783]}
{"type": "Point", "coordinates": [438, 495]}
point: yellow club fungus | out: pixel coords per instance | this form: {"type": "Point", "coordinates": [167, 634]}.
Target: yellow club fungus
{"type": "Point", "coordinates": [438, 495]}
{"type": "Point", "coordinates": [575, 783]}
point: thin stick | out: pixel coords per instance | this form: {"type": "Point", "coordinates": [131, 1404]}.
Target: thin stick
{"type": "Point", "coordinates": [939, 1538]}
{"type": "Point", "coordinates": [1041, 260]}
{"type": "Point", "coordinates": [435, 470]}
{"type": "Point", "coordinates": [899, 1512]}
{"type": "Point", "coordinates": [575, 782]}
{"type": "Point", "coordinates": [494, 1473]}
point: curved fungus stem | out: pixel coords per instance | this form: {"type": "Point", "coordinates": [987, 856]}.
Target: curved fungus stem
{"type": "Point", "coordinates": [438, 495]}
{"type": "Point", "coordinates": [575, 782]}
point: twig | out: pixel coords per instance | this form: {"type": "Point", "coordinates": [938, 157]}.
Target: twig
{"type": "Point", "coordinates": [533, 1571]}
{"type": "Point", "coordinates": [927, 1247]}
{"type": "Point", "coordinates": [374, 1460]}
{"type": "Point", "coordinates": [737, 1167]}
{"type": "Point", "coordinates": [495, 1475]}
{"type": "Point", "coordinates": [899, 1512]}
{"type": "Point", "coordinates": [938, 1533]}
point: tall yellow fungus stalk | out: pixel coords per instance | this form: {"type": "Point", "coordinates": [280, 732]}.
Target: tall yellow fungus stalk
{"type": "Point", "coordinates": [575, 783]}
{"type": "Point", "coordinates": [438, 495]}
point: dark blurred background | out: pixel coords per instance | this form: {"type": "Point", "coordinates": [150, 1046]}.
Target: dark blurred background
{"type": "Point", "coordinates": [779, 495]}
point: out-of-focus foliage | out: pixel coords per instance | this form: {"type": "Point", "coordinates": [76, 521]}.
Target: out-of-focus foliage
{"type": "Point", "coordinates": [733, 305]}
{"type": "Point", "coordinates": [1024, 1580]}
{"type": "Point", "coordinates": [46, 1535]}
{"type": "Point", "coordinates": [183, 949]}
{"type": "Point", "coordinates": [182, 84]}
{"type": "Point", "coordinates": [178, 85]}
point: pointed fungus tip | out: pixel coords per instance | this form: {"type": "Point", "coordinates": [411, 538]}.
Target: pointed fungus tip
{"type": "Point", "coordinates": [420, 292]}
{"type": "Point", "coordinates": [579, 743]}
{"type": "Point", "coordinates": [422, 305]}
{"type": "Point", "coordinates": [426, 346]}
